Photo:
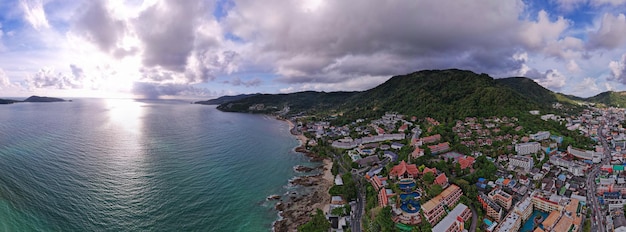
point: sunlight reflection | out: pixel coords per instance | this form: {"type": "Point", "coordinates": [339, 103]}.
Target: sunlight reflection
{"type": "Point", "coordinates": [126, 113]}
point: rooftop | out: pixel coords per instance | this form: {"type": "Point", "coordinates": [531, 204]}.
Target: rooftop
{"type": "Point", "coordinates": [446, 222]}
{"type": "Point", "coordinates": [509, 222]}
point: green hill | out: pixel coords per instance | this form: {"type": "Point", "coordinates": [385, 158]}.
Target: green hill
{"type": "Point", "coordinates": [609, 98]}
{"type": "Point", "coordinates": [225, 99]}
{"type": "Point", "coordinates": [442, 94]}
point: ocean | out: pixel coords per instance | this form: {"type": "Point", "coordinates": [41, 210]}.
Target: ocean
{"type": "Point", "coordinates": [132, 165]}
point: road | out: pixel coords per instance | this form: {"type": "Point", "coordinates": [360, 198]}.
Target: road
{"type": "Point", "coordinates": [597, 217]}
{"type": "Point", "coordinates": [474, 219]}
{"type": "Point", "coordinates": [360, 205]}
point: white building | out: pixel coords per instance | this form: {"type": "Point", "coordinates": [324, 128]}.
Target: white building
{"type": "Point", "coordinates": [541, 135]}
{"type": "Point", "coordinates": [595, 157]}
{"type": "Point", "coordinates": [523, 162]}
{"type": "Point", "coordinates": [527, 148]}
{"type": "Point", "coordinates": [574, 168]}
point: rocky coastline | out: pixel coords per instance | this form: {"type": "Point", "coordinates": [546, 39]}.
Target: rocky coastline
{"type": "Point", "coordinates": [295, 210]}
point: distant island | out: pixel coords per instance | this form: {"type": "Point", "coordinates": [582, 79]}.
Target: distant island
{"type": "Point", "coordinates": [32, 99]}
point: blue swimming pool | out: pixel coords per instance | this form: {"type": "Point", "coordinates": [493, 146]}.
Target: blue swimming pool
{"type": "Point", "coordinates": [529, 225]}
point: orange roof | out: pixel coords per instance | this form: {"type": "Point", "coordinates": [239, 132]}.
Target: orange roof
{"type": "Point", "coordinates": [402, 168]}
{"type": "Point", "coordinates": [551, 219]}
{"type": "Point", "coordinates": [441, 179]}
{"type": "Point", "coordinates": [383, 197]}
{"type": "Point", "coordinates": [506, 181]}
{"type": "Point", "coordinates": [538, 230]}
{"type": "Point", "coordinates": [431, 170]}
{"type": "Point", "coordinates": [572, 206]}
{"type": "Point", "coordinates": [432, 204]}
{"type": "Point", "coordinates": [466, 161]}
{"type": "Point", "coordinates": [449, 190]}
{"type": "Point", "coordinates": [564, 224]}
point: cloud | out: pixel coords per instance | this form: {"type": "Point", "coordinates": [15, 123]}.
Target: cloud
{"type": "Point", "coordinates": [98, 26]}
{"type": "Point", "coordinates": [167, 31]}
{"type": "Point", "coordinates": [339, 41]}
{"type": "Point", "coordinates": [611, 34]}
{"type": "Point", "coordinates": [5, 82]}
{"type": "Point", "coordinates": [156, 90]}
{"type": "Point", "coordinates": [551, 78]}
{"type": "Point", "coordinates": [34, 13]}
{"type": "Point", "coordinates": [573, 67]}
{"type": "Point", "coordinates": [236, 81]}
{"type": "Point", "coordinates": [537, 35]}
{"type": "Point", "coordinates": [569, 5]}
{"type": "Point", "coordinates": [610, 2]}
{"type": "Point", "coordinates": [48, 78]}
{"type": "Point", "coordinates": [588, 85]}
{"type": "Point", "coordinates": [618, 70]}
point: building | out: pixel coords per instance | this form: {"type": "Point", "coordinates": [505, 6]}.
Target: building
{"type": "Point", "coordinates": [494, 211]}
{"type": "Point", "coordinates": [595, 157]}
{"type": "Point", "coordinates": [511, 223]}
{"type": "Point", "coordinates": [541, 135]}
{"type": "Point", "coordinates": [434, 208]}
{"type": "Point", "coordinates": [545, 205]}
{"type": "Point", "coordinates": [441, 180]}
{"type": "Point", "coordinates": [527, 148]}
{"type": "Point", "coordinates": [501, 198]}
{"type": "Point", "coordinates": [404, 170]}
{"type": "Point", "coordinates": [523, 162]}
{"type": "Point", "coordinates": [524, 208]}
{"type": "Point", "coordinates": [466, 162]}
{"type": "Point", "coordinates": [439, 148]}
{"type": "Point", "coordinates": [431, 139]}
{"type": "Point", "coordinates": [574, 168]}
{"type": "Point", "coordinates": [455, 220]}
{"type": "Point", "coordinates": [550, 222]}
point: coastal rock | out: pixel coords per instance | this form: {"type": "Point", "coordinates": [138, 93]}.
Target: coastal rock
{"type": "Point", "coordinates": [300, 168]}
{"type": "Point", "coordinates": [273, 197]}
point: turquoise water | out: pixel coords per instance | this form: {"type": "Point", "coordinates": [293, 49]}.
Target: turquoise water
{"type": "Point", "coordinates": [125, 165]}
{"type": "Point", "coordinates": [529, 224]}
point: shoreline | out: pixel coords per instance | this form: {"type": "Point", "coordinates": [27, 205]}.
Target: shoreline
{"type": "Point", "coordinates": [295, 211]}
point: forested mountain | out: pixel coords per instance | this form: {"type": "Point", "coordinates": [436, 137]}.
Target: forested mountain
{"type": "Point", "coordinates": [610, 98]}
{"type": "Point", "coordinates": [442, 94]}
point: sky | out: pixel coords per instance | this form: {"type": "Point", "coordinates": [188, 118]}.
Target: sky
{"type": "Point", "coordinates": [206, 49]}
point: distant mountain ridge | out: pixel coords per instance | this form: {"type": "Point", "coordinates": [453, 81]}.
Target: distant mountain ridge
{"type": "Point", "coordinates": [224, 99]}
{"type": "Point", "coordinates": [442, 94]}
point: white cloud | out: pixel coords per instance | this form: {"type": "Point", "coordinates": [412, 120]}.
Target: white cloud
{"type": "Point", "coordinates": [569, 5]}
{"type": "Point", "coordinates": [611, 2]}
{"type": "Point", "coordinates": [551, 78]}
{"type": "Point", "coordinates": [611, 34]}
{"type": "Point", "coordinates": [573, 67]}
{"type": "Point", "coordinates": [588, 85]}
{"type": "Point", "coordinates": [537, 35]}
{"type": "Point", "coordinates": [618, 69]}
{"type": "Point", "coordinates": [34, 13]}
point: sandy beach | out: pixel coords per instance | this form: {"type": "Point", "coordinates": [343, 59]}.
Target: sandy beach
{"type": "Point", "coordinates": [296, 211]}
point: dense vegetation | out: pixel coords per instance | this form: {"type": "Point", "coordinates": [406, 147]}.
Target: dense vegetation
{"type": "Point", "coordinates": [225, 99]}
{"type": "Point", "coordinates": [318, 223]}
{"type": "Point", "coordinates": [610, 98]}
{"type": "Point", "coordinates": [445, 95]}
{"type": "Point", "coordinates": [297, 102]}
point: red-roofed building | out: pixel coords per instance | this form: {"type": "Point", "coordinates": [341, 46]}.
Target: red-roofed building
{"type": "Point", "coordinates": [404, 170]}
{"type": "Point", "coordinates": [417, 153]}
{"type": "Point", "coordinates": [436, 149]}
{"type": "Point", "coordinates": [403, 128]}
{"type": "Point", "coordinates": [431, 170]}
{"type": "Point", "coordinates": [383, 199]}
{"type": "Point", "coordinates": [466, 162]}
{"type": "Point", "coordinates": [432, 139]}
{"type": "Point", "coordinates": [377, 182]}
{"type": "Point", "coordinates": [442, 180]}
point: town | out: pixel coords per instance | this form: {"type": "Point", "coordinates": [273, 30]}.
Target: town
{"type": "Point", "coordinates": [402, 173]}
